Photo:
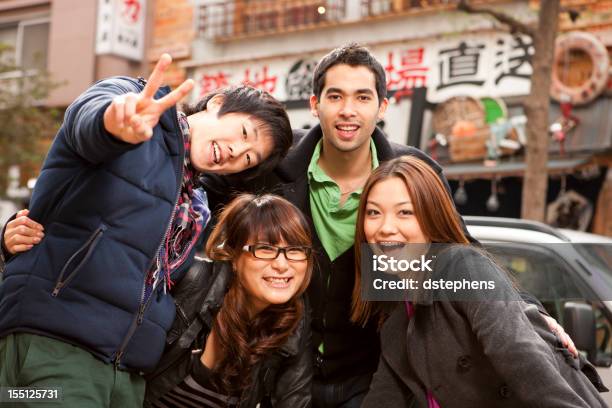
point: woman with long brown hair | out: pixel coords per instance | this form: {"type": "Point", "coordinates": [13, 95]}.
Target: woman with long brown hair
{"type": "Point", "coordinates": [242, 336]}
{"type": "Point", "coordinates": [489, 350]}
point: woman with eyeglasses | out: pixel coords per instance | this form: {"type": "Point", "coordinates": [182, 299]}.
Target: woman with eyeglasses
{"type": "Point", "coordinates": [241, 335]}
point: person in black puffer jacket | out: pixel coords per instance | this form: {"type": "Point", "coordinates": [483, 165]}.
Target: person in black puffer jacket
{"type": "Point", "coordinates": [242, 332]}
{"type": "Point", "coordinates": [87, 308]}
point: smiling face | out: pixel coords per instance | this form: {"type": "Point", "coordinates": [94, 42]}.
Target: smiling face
{"type": "Point", "coordinates": [269, 281]}
{"type": "Point", "coordinates": [227, 144]}
{"type": "Point", "coordinates": [348, 108]}
{"type": "Point", "coordinates": [389, 215]}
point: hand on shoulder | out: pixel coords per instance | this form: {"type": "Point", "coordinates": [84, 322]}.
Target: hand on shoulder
{"type": "Point", "coordinates": [22, 233]}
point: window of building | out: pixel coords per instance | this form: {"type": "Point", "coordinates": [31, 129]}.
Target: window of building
{"type": "Point", "coordinates": [25, 44]}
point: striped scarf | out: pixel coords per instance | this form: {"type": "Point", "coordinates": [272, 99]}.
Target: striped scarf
{"type": "Point", "coordinates": [191, 215]}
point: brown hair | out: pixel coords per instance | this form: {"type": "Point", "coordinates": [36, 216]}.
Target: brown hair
{"type": "Point", "coordinates": [433, 208]}
{"type": "Point", "coordinates": [245, 340]}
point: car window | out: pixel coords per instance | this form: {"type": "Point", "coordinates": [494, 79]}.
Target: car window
{"type": "Point", "coordinates": [539, 273]}
{"type": "Point", "coordinates": [542, 273]}
{"type": "Point", "coordinates": [598, 255]}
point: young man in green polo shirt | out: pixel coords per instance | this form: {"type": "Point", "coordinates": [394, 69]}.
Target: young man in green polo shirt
{"type": "Point", "coordinates": [349, 98]}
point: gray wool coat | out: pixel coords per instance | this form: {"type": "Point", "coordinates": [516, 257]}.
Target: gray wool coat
{"type": "Point", "coordinates": [487, 353]}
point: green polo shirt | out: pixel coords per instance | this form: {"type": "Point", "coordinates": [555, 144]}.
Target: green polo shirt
{"type": "Point", "coordinates": [335, 225]}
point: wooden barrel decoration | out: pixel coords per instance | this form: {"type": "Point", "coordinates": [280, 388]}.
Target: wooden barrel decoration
{"type": "Point", "coordinates": [593, 86]}
{"type": "Point", "coordinates": [462, 120]}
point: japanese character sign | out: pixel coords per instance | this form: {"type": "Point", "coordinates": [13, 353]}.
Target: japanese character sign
{"type": "Point", "coordinates": [120, 28]}
{"type": "Point", "coordinates": [513, 57]}
{"type": "Point", "coordinates": [260, 79]}
{"type": "Point", "coordinates": [460, 65]}
{"type": "Point", "coordinates": [406, 72]}
{"type": "Point", "coordinates": [299, 80]}
{"type": "Point", "coordinates": [210, 82]}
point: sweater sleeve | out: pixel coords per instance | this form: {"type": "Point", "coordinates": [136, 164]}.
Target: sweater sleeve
{"type": "Point", "coordinates": [84, 121]}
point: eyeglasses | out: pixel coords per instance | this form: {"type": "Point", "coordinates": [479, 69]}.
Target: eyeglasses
{"type": "Point", "coordinates": [267, 251]}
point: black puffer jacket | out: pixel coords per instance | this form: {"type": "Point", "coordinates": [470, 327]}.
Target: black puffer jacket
{"type": "Point", "coordinates": [106, 206]}
{"type": "Point", "coordinates": [281, 380]}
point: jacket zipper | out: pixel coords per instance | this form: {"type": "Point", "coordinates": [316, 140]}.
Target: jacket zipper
{"type": "Point", "coordinates": [90, 244]}
{"type": "Point", "coordinates": [143, 306]}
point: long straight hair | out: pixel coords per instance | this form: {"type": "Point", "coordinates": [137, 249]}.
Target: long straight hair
{"type": "Point", "coordinates": [246, 340]}
{"type": "Point", "coordinates": [433, 208]}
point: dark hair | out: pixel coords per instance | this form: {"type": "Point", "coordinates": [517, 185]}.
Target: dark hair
{"type": "Point", "coordinates": [433, 207]}
{"type": "Point", "coordinates": [354, 55]}
{"type": "Point", "coordinates": [245, 341]}
{"type": "Point", "coordinates": [268, 113]}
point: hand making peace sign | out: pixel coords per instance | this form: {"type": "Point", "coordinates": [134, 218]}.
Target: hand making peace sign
{"type": "Point", "coordinates": [131, 117]}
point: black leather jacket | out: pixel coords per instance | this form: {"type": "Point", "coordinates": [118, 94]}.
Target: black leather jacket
{"type": "Point", "coordinates": [281, 380]}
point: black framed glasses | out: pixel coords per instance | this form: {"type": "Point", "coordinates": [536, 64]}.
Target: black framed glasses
{"type": "Point", "coordinates": [267, 251]}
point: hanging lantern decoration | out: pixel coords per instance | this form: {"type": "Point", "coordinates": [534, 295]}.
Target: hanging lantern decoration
{"type": "Point", "coordinates": [460, 196]}
{"type": "Point", "coordinates": [493, 201]}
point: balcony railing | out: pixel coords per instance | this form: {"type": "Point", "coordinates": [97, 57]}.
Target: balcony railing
{"type": "Point", "coordinates": [239, 18]}
{"type": "Point", "coordinates": [230, 19]}
{"type": "Point", "coordinates": [374, 8]}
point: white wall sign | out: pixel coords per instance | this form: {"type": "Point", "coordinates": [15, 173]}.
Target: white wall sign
{"type": "Point", "coordinates": [121, 26]}
{"type": "Point", "coordinates": [495, 65]}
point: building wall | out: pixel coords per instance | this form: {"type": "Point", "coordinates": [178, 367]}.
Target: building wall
{"type": "Point", "coordinates": [71, 48]}
{"type": "Point", "coordinates": [14, 17]}
{"type": "Point", "coordinates": [20, 9]}
{"type": "Point", "coordinates": [172, 31]}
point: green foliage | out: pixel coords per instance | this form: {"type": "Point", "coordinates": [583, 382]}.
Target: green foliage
{"type": "Point", "coordinates": [25, 122]}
